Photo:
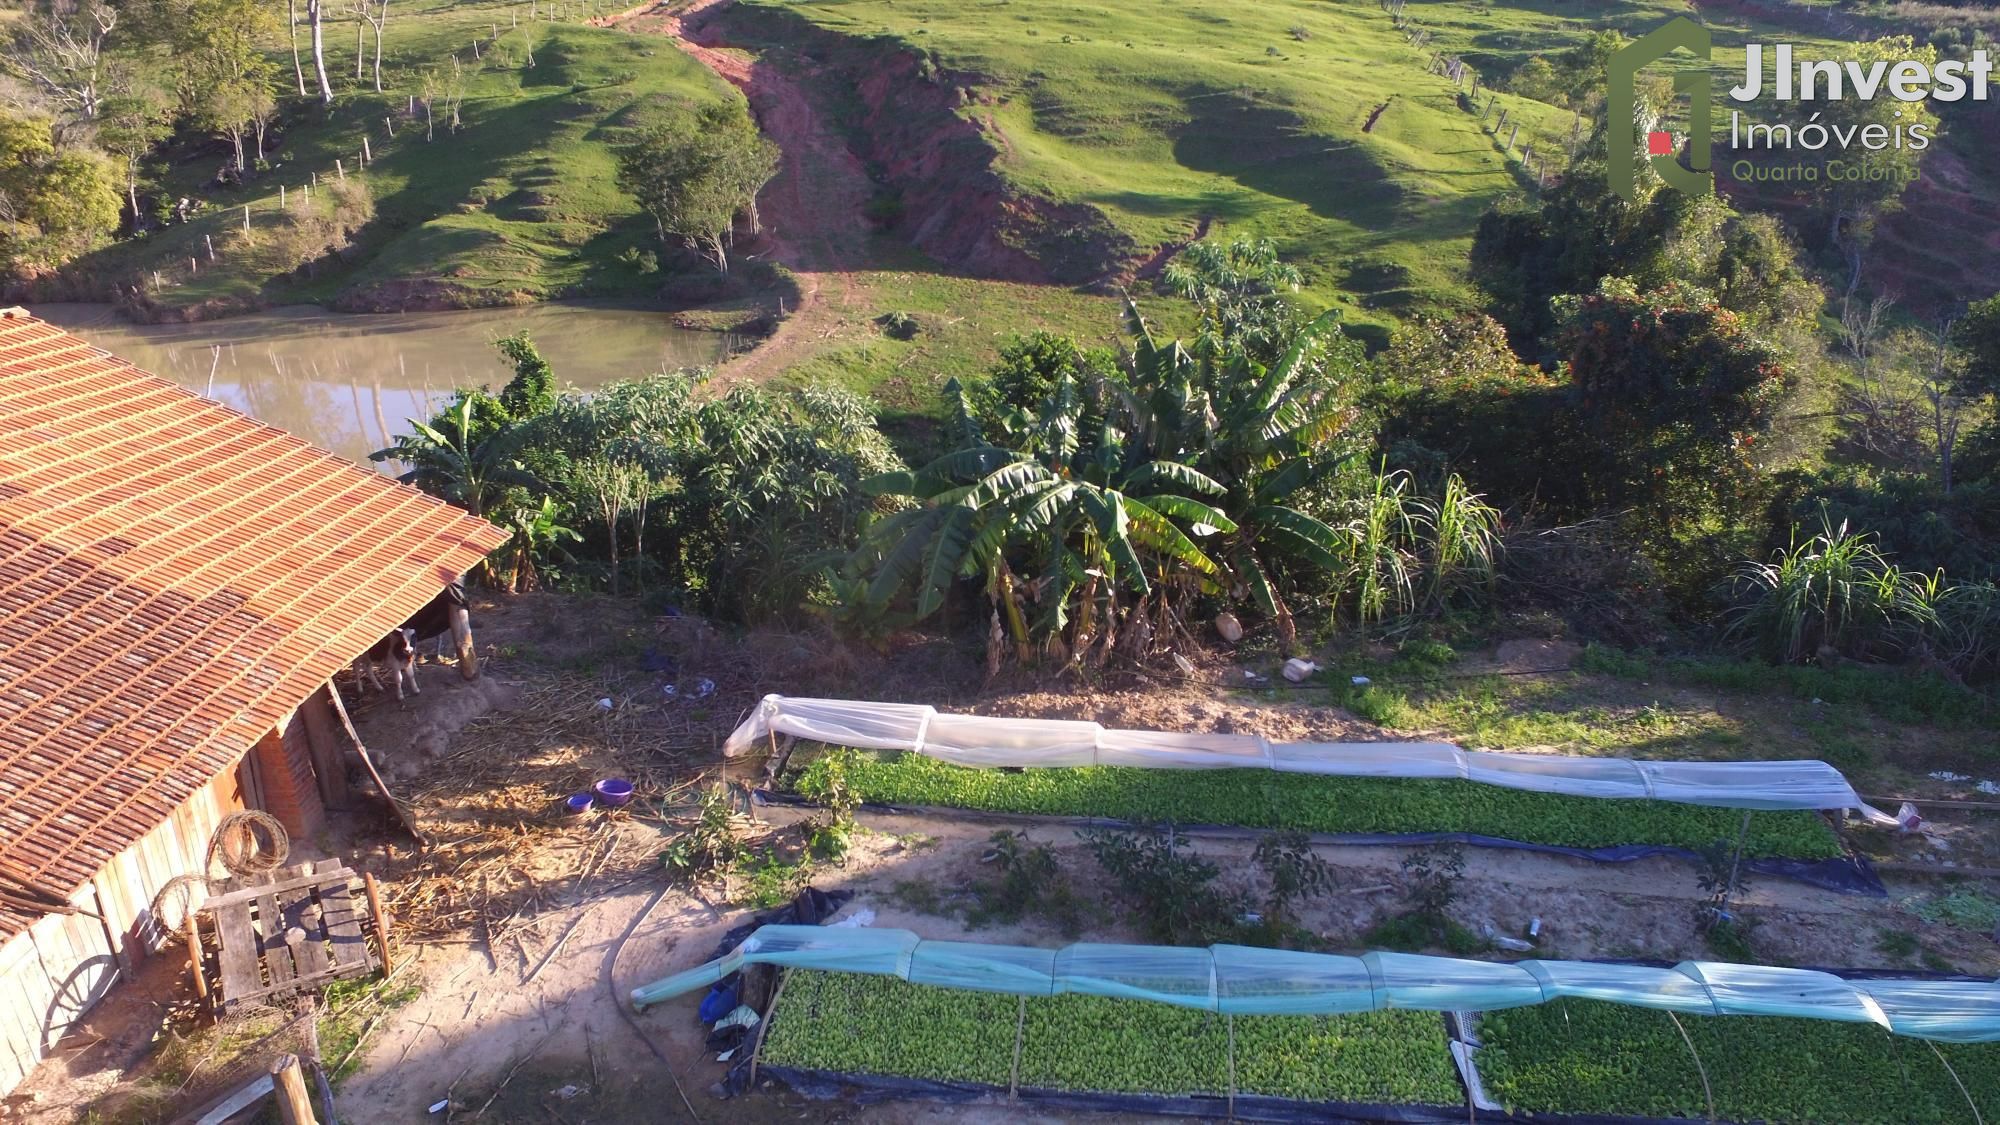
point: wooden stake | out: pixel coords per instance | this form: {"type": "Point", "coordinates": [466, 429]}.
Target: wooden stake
{"type": "Point", "coordinates": [367, 154]}
{"type": "Point", "coordinates": [294, 1106]}
{"type": "Point", "coordinates": [461, 637]}
{"type": "Point", "coordinates": [402, 814]}
{"type": "Point", "coordinates": [377, 916]}
{"type": "Point", "coordinates": [281, 197]}
{"type": "Point", "coordinates": [246, 218]}
{"type": "Point", "coordinates": [1512, 135]}
{"type": "Point", "coordinates": [339, 169]}
{"type": "Point", "coordinates": [194, 958]}
{"type": "Point", "coordinates": [210, 243]}
{"type": "Point", "coordinates": [391, 126]}
{"type": "Point", "coordinates": [191, 265]}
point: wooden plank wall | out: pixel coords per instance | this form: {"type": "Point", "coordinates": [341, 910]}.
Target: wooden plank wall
{"type": "Point", "coordinates": [177, 845]}
{"type": "Point", "coordinates": [53, 971]}
{"type": "Point", "coordinates": [50, 973]}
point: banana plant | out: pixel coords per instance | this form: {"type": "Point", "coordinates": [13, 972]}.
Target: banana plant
{"type": "Point", "coordinates": [471, 474]}
{"type": "Point", "coordinates": [1088, 510]}
{"type": "Point", "coordinates": [1266, 433]}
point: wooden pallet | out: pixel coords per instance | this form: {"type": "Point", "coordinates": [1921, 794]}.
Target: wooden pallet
{"type": "Point", "coordinates": [294, 928]}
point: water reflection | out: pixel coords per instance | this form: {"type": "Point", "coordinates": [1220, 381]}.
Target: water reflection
{"type": "Point", "coordinates": [347, 382]}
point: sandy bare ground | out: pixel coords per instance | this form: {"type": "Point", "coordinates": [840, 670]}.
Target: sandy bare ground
{"type": "Point", "coordinates": [480, 1020]}
{"type": "Point", "coordinates": [533, 1026]}
{"type": "Point", "coordinates": [811, 211]}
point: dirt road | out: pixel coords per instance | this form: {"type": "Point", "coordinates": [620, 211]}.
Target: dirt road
{"type": "Point", "coordinates": [812, 211]}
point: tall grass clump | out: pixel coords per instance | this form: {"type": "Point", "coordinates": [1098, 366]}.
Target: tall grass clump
{"type": "Point", "coordinates": [1835, 591]}
{"type": "Point", "coordinates": [1406, 552]}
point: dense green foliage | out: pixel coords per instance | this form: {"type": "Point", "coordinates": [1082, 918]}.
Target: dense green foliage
{"type": "Point", "coordinates": [1263, 799]}
{"type": "Point", "coordinates": [491, 139]}
{"type": "Point", "coordinates": [1591, 1057]}
{"type": "Point", "coordinates": [1129, 492]}
{"type": "Point", "coordinates": [734, 504]}
{"type": "Point", "coordinates": [1836, 593]}
{"type": "Point", "coordinates": [694, 173]}
{"type": "Point", "coordinates": [54, 202]}
{"type": "Point", "coordinates": [853, 1023]}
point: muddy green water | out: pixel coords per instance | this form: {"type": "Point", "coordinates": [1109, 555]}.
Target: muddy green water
{"type": "Point", "coordinates": [347, 382]}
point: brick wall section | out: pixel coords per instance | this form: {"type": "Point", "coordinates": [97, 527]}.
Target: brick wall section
{"type": "Point", "coordinates": [291, 790]}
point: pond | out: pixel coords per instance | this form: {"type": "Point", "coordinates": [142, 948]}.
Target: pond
{"type": "Point", "coordinates": [347, 382]}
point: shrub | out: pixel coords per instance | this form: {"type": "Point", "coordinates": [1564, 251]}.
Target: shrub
{"type": "Point", "coordinates": [1170, 887]}
{"type": "Point", "coordinates": [710, 846]}
{"type": "Point", "coordinates": [1834, 591]}
{"type": "Point", "coordinates": [899, 325]}
{"type": "Point", "coordinates": [1031, 883]}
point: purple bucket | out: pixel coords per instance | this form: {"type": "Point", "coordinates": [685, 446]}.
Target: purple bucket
{"type": "Point", "coordinates": [613, 792]}
{"type": "Point", "coordinates": [576, 804]}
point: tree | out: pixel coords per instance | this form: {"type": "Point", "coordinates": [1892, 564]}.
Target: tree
{"type": "Point", "coordinates": [695, 173]}
{"type": "Point", "coordinates": [292, 38]}
{"type": "Point", "coordinates": [1265, 433]}
{"type": "Point", "coordinates": [531, 392]}
{"type": "Point", "coordinates": [59, 50]}
{"type": "Point", "coordinates": [1668, 394]}
{"type": "Point", "coordinates": [1235, 291]}
{"type": "Point", "coordinates": [376, 16]}
{"type": "Point", "coordinates": [1977, 335]}
{"type": "Point", "coordinates": [315, 16]}
{"type": "Point", "coordinates": [132, 122]}
{"type": "Point", "coordinates": [223, 74]}
{"type": "Point", "coordinates": [620, 486]}
{"type": "Point", "coordinates": [1851, 203]}
{"type": "Point", "coordinates": [430, 87]}
{"type": "Point", "coordinates": [55, 202]}
{"type": "Point", "coordinates": [538, 536]}
{"type": "Point", "coordinates": [1942, 393]}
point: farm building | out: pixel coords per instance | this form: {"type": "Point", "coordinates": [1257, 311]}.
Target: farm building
{"type": "Point", "coordinates": [177, 584]}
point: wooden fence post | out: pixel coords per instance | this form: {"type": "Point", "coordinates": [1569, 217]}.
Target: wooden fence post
{"type": "Point", "coordinates": [289, 1084]}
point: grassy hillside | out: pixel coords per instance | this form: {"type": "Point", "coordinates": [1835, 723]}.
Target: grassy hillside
{"type": "Point", "coordinates": [1160, 115]}
{"type": "Point", "coordinates": [519, 204]}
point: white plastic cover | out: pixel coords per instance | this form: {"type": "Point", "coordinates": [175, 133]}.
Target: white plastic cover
{"type": "Point", "coordinates": [972, 740]}
{"type": "Point", "coordinates": [1250, 981]}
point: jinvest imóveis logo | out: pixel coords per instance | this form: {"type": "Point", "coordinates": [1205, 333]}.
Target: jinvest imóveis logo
{"type": "Point", "coordinates": [1800, 84]}
{"type": "Point", "coordinates": [1622, 104]}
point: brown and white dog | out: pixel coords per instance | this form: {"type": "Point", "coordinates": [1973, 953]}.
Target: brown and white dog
{"type": "Point", "coordinates": [395, 652]}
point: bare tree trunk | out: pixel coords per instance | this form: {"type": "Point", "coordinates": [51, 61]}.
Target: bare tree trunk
{"type": "Point", "coordinates": [360, 56]}
{"type": "Point", "coordinates": [292, 33]}
{"type": "Point", "coordinates": [236, 137]}
{"type": "Point", "coordinates": [319, 52]}
{"type": "Point", "coordinates": [132, 194]}
{"type": "Point", "coordinates": [430, 130]}
{"type": "Point", "coordinates": [379, 22]}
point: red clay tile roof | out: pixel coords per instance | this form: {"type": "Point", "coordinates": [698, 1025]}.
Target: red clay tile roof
{"type": "Point", "coordinates": [174, 578]}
